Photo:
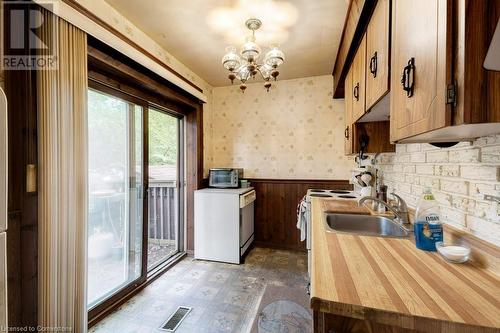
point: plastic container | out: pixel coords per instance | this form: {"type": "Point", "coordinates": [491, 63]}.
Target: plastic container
{"type": "Point", "coordinates": [453, 253]}
{"type": "Point", "coordinates": [428, 228]}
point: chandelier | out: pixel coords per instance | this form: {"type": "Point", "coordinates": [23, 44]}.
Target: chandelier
{"type": "Point", "coordinates": [245, 66]}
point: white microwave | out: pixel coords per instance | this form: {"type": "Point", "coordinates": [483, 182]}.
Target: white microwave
{"type": "Point", "coordinates": [225, 177]}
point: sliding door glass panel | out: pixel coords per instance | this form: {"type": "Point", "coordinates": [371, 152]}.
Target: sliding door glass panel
{"type": "Point", "coordinates": [163, 215]}
{"type": "Point", "coordinates": [115, 216]}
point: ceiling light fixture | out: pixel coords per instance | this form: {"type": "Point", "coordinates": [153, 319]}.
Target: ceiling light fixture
{"type": "Point", "coordinates": [244, 66]}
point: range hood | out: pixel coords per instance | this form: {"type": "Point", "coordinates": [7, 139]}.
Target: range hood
{"type": "Point", "coordinates": [492, 60]}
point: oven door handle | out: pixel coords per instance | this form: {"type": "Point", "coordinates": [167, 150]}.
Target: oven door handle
{"type": "Point", "coordinates": [247, 198]}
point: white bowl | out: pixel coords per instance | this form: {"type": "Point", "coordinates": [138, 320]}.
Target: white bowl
{"type": "Point", "coordinates": [453, 253]}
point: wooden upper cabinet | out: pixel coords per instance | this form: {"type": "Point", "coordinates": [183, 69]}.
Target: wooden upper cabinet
{"type": "Point", "coordinates": [348, 129]}
{"type": "Point", "coordinates": [420, 66]}
{"type": "Point", "coordinates": [358, 70]}
{"type": "Point", "coordinates": [377, 53]}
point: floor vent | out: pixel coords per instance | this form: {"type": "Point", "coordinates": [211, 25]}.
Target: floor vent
{"type": "Point", "coordinates": [175, 319]}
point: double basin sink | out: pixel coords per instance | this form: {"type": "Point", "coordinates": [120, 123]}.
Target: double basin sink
{"type": "Point", "coordinates": [366, 225]}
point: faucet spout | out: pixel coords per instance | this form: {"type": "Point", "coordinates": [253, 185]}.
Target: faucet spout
{"type": "Point", "coordinates": [399, 216]}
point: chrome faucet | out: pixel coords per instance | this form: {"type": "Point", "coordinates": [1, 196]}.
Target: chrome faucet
{"type": "Point", "coordinates": [400, 210]}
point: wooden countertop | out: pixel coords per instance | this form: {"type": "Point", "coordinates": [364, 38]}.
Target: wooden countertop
{"type": "Point", "coordinates": [390, 281]}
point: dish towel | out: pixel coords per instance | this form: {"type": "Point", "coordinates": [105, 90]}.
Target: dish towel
{"type": "Point", "coordinates": [302, 219]}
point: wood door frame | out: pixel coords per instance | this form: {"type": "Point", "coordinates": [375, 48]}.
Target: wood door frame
{"type": "Point", "coordinates": [108, 68]}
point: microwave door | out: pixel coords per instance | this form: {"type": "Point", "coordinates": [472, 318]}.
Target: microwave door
{"type": "Point", "coordinates": [223, 177]}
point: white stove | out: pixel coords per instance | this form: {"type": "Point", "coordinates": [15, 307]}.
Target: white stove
{"type": "Point", "coordinates": [325, 194]}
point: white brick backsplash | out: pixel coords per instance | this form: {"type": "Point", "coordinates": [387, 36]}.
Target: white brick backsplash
{"type": "Point", "coordinates": [455, 186]}
{"type": "Point", "coordinates": [411, 179]}
{"type": "Point", "coordinates": [490, 154]}
{"type": "Point", "coordinates": [484, 188]}
{"type": "Point", "coordinates": [440, 156]}
{"type": "Point", "coordinates": [447, 170]}
{"type": "Point", "coordinates": [400, 149]}
{"type": "Point", "coordinates": [427, 147]}
{"type": "Point", "coordinates": [402, 187]}
{"type": "Point", "coordinates": [409, 168]}
{"type": "Point", "coordinates": [397, 167]}
{"type": "Point", "coordinates": [413, 147]}
{"type": "Point", "coordinates": [487, 141]}
{"type": "Point", "coordinates": [464, 156]}
{"type": "Point", "coordinates": [443, 199]}
{"type": "Point", "coordinates": [464, 204]}
{"type": "Point", "coordinates": [463, 144]}
{"type": "Point", "coordinates": [455, 174]}
{"type": "Point", "coordinates": [479, 172]}
{"type": "Point", "coordinates": [453, 216]}
{"type": "Point", "coordinates": [417, 158]}
{"type": "Point", "coordinates": [405, 158]}
{"type": "Point", "coordinates": [425, 169]}
{"type": "Point", "coordinates": [481, 209]}
{"type": "Point", "coordinates": [484, 229]}
{"type": "Point", "coordinates": [433, 183]}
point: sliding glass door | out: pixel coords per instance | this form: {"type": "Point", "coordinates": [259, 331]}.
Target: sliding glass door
{"type": "Point", "coordinates": [164, 218]}
{"type": "Point", "coordinates": [115, 213]}
{"type": "Point", "coordinates": [135, 198]}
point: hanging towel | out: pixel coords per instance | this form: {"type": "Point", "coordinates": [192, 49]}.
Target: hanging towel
{"type": "Point", "coordinates": [302, 218]}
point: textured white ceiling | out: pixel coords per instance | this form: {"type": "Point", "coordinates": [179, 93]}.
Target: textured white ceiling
{"type": "Point", "coordinates": [197, 32]}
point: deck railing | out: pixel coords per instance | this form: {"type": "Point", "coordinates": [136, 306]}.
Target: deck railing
{"type": "Point", "coordinates": [162, 210]}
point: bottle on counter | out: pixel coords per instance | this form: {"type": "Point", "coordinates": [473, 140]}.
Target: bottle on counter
{"type": "Point", "coordinates": [428, 227]}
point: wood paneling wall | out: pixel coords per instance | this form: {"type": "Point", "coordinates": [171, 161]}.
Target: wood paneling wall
{"type": "Point", "coordinates": [276, 209]}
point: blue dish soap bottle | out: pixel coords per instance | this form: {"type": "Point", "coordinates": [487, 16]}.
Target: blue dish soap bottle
{"type": "Point", "coordinates": [428, 228]}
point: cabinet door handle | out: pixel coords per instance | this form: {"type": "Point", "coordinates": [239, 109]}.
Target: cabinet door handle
{"type": "Point", "coordinates": [373, 64]}
{"type": "Point", "coordinates": [346, 132]}
{"type": "Point", "coordinates": [408, 77]}
{"type": "Point", "coordinates": [355, 91]}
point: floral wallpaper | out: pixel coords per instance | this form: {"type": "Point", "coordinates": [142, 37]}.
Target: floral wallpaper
{"type": "Point", "coordinates": [295, 131]}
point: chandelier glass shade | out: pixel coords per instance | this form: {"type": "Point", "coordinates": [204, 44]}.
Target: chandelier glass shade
{"type": "Point", "coordinates": [245, 65]}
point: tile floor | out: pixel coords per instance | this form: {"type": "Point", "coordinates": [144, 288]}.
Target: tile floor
{"type": "Point", "coordinates": [224, 297]}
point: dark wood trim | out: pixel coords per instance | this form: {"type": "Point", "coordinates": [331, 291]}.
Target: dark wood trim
{"type": "Point", "coordinates": [84, 11]}
{"type": "Point", "coordinates": [119, 76]}
{"type": "Point", "coordinates": [22, 233]}
{"type": "Point", "coordinates": [118, 71]}
{"type": "Point", "coordinates": [276, 209]}
{"type": "Point", "coordinates": [356, 22]}
{"type": "Point", "coordinates": [194, 168]}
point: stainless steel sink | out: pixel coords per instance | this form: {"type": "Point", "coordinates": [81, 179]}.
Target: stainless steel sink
{"type": "Point", "coordinates": [368, 225]}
